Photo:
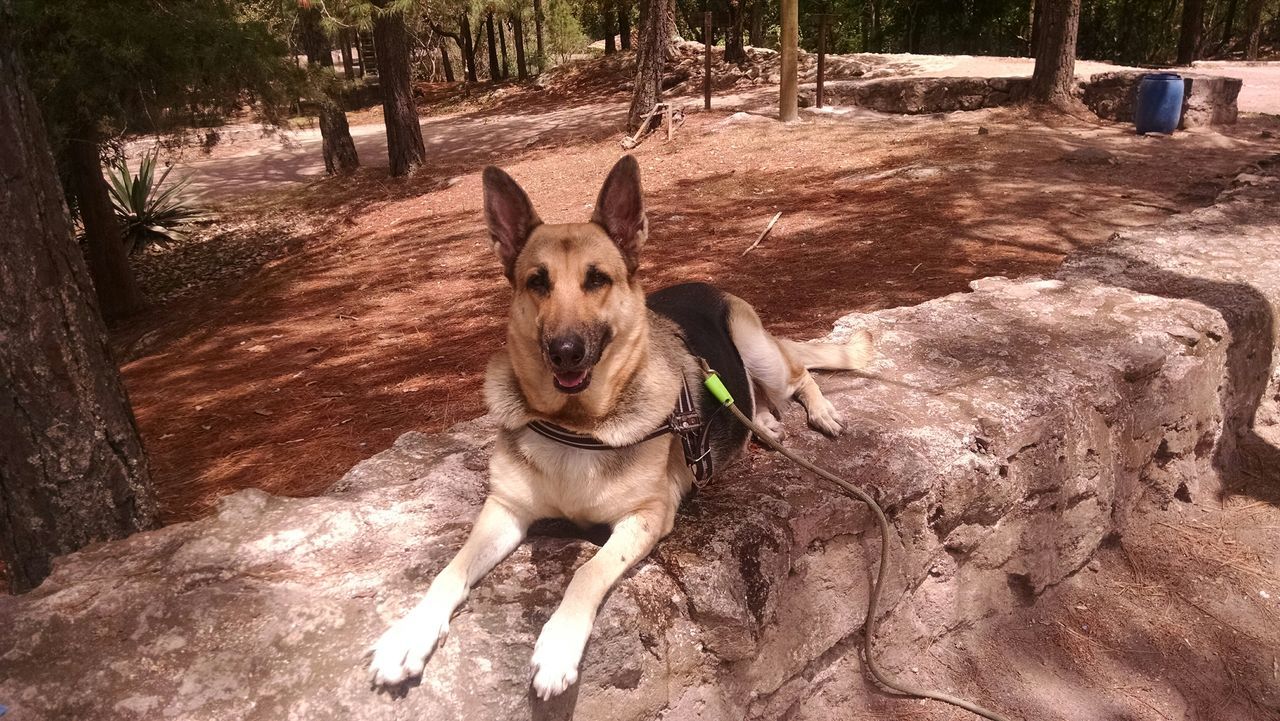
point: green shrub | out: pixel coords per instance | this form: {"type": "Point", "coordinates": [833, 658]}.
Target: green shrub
{"type": "Point", "coordinates": [149, 212]}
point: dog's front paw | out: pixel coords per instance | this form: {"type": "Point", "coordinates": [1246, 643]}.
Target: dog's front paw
{"type": "Point", "coordinates": [403, 650]}
{"type": "Point", "coordinates": [824, 417]}
{"type": "Point", "coordinates": [556, 655]}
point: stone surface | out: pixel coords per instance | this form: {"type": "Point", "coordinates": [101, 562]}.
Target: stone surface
{"type": "Point", "coordinates": [1008, 431]}
{"type": "Point", "coordinates": [1207, 99]}
{"type": "Point", "coordinates": [917, 95]}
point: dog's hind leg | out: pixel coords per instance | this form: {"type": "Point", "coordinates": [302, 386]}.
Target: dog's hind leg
{"type": "Point", "coordinates": [403, 650]}
{"type": "Point", "coordinates": [781, 367]}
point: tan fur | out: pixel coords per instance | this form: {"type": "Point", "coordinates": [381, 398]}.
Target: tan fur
{"type": "Point", "coordinates": [634, 489]}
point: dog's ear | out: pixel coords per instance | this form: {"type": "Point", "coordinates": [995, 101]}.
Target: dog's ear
{"type": "Point", "coordinates": [509, 215]}
{"type": "Point", "coordinates": [620, 210]}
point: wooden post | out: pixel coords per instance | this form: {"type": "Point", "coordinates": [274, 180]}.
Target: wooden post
{"type": "Point", "coordinates": [788, 109]}
{"type": "Point", "coordinates": [706, 79]}
{"type": "Point", "coordinates": [822, 54]}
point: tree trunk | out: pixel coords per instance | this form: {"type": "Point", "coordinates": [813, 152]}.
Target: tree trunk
{"type": "Point", "coordinates": [788, 108]}
{"type": "Point", "coordinates": [537, 35]}
{"type": "Point", "coordinates": [1192, 28]}
{"type": "Point", "coordinates": [624, 24]}
{"type": "Point", "coordinates": [517, 34]}
{"type": "Point", "coordinates": [468, 49]}
{"type": "Point", "coordinates": [335, 139]}
{"type": "Point", "coordinates": [494, 73]}
{"type": "Point", "coordinates": [314, 42]}
{"type": "Point", "coordinates": [444, 62]}
{"type": "Point", "coordinates": [651, 57]}
{"type": "Point", "coordinates": [734, 52]}
{"type": "Point", "coordinates": [1035, 15]}
{"type": "Point", "coordinates": [360, 58]}
{"type": "Point", "coordinates": [72, 467]}
{"type": "Point", "coordinates": [502, 42]}
{"type": "Point", "coordinates": [1053, 79]}
{"type": "Point", "coordinates": [336, 145]}
{"type": "Point", "coordinates": [118, 291]}
{"type": "Point", "coordinates": [755, 29]}
{"type": "Point", "coordinates": [1253, 29]}
{"type": "Point", "coordinates": [405, 150]}
{"type": "Point", "coordinates": [875, 26]}
{"type": "Point", "coordinates": [1228, 26]}
{"type": "Point", "coordinates": [608, 23]}
{"type": "Point", "coordinates": [348, 71]}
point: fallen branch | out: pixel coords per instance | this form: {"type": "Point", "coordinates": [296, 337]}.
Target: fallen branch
{"type": "Point", "coordinates": [661, 112]}
{"type": "Point", "coordinates": [763, 233]}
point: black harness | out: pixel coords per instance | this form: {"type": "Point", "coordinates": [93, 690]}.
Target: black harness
{"type": "Point", "coordinates": [685, 422]}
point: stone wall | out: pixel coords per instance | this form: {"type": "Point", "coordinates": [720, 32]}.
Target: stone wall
{"type": "Point", "coordinates": [917, 95]}
{"type": "Point", "coordinates": [1008, 432]}
{"type": "Point", "coordinates": [1207, 99]}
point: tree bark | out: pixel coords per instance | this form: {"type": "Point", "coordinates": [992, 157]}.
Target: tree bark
{"type": "Point", "coordinates": [1253, 29]}
{"type": "Point", "coordinates": [344, 39]}
{"type": "Point", "coordinates": [118, 291]}
{"type": "Point", "coordinates": [468, 49]}
{"type": "Point", "coordinates": [734, 51]}
{"type": "Point", "coordinates": [517, 34]}
{"type": "Point", "coordinates": [1036, 18]}
{"type": "Point", "coordinates": [651, 57]}
{"type": "Point", "coordinates": [537, 35]}
{"type": "Point", "coordinates": [360, 58]}
{"type": "Point", "coordinates": [405, 149]}
{"type": "Point", "coordinates": [788, 107]}
{"type": "Point", "coordinates": [755, 29]}
{"type": "Point", "coordinates": [608, 23]}
{"type": "Point", "coordinates": [72, 467]}
{"type": "Point", "coordinates": [445, 63]}
{"type": "Point", "coordinates": [336, 145]}
{"type": "Point", "coordinates": [1228, 26]}
{"type": "Point", "coordinates": [502, 43]}
{"type": "Point", "coordinates": [624, 24]}
{"type": "Point", "coordinates": [1190, 31]}
{"type": "Point", "coordinates": [494, 73]}
{"type": "Point", "coordinates": [1053, 79]}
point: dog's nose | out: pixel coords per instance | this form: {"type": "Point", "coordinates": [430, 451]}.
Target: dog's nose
{"type": "Point", "coordinates": [567, 352]}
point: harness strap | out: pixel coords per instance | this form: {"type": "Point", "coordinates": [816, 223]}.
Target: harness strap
{"type": "Point", "coordinates": [685, 421]}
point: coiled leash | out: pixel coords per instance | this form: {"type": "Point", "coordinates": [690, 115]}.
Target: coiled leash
{"type": "Point", "coordinates": [721, 394]}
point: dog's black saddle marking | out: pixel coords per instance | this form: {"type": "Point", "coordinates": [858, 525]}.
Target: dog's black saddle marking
{"type": "Point", "coordinates": [685, 421]}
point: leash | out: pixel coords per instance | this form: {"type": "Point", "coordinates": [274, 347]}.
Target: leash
{"type": "Point", "coordinates": [721, 394]}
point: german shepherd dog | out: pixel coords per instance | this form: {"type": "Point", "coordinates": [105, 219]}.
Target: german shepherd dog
{"type": "Point", "coordinates": [591, 356]}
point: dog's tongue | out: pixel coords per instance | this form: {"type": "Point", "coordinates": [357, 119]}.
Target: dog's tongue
{"type": "Point", "coordinates": [571, 380]}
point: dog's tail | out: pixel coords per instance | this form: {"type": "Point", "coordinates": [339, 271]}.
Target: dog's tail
{"type": "Point", "coordinates": [852, 354]}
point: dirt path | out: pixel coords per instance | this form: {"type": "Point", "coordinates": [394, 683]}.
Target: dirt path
{"type": "Point", "coordinates": [459, 140]}
{"type": "Point", "coordinates": [255, 163]}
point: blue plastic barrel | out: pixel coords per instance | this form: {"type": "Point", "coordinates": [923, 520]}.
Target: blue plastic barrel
{"type": "Point", "coordinates": [1159, 106]}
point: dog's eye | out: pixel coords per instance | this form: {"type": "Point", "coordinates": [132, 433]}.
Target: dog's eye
{"type": "Point", "coordinates": [596, 279]}
{"type": "Point", "coordinates": [539, 282]}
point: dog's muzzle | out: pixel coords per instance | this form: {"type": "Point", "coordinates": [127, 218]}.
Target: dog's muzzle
{"type": "Point", "coordinates": [570, 358]}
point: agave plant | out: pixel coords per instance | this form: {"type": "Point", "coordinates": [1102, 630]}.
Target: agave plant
{"type": "Point", "coordinates": [150, 211]}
